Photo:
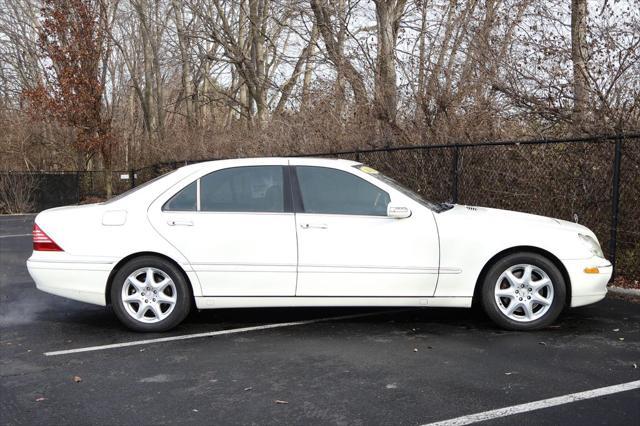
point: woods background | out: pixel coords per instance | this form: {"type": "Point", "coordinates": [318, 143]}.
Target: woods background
{"type": "Point", "coordinates": [94, 84]}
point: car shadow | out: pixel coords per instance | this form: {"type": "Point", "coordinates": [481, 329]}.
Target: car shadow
{"type": "Point", "coordinates": [83, 318]}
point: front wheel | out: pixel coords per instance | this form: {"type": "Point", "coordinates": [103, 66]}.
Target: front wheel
{"type": "Point", "coordinates": [523, 291]}
{"type": "Point", "coordinates": [150, 294]}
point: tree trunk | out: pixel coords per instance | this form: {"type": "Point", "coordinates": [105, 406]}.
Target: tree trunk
{"type": "Point", "coordinates": [256, 15]}
{"type": "Point", "coordinates": [291, 82]}
{"type": "Point", "coordinates": [335, 54]}
{"type": "Point", "coordinates": [147, 63]}
{"type": "Point", "coordinates": [106, 160]}
{"type": "Point", "coordinates": [150, 118]}
{"type": "Point", "coordinates": [388, 15]}
{"type": "Point", "coordinates": [578, 57]}
{"type": "Point", "coordinates": [422, 71]}
{"type": "Point", "coordinates": [308, 68]}
{"type": "Point", "coordinates": [243, 98]}
{"type": "Point", "coordinates": [183, 44]}
{"type": "Point", "coordinates": [159, 88]}
{"type": "Point", "coordinates": [433, 98]}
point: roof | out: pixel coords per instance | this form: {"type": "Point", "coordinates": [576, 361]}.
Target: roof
{"type": "Point", "coordinates": [275, 160]}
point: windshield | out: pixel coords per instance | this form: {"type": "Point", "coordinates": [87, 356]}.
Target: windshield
{"type": "Point", "coordinates": [406, 191]}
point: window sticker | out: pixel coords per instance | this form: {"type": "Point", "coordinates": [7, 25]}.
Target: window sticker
{"type": "Point", "coordinates": [368, 170]}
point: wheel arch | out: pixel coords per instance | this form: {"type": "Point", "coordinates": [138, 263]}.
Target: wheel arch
{"type": "Point", "coordinates": [518, 249]}
{"type": "Point", "coordinates": [126, 259]}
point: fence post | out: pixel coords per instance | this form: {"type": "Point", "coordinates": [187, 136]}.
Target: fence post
{"type": "Point", "coordinates": [132, 178]}
{"type": "Point", "coordinates": [454, 177]}
{"type": "Point", "coordinates": [78, 186]}
{"type": "Point", "coordinates": [358, 155]}
{"type": "Point", "coordinates": [615, 204]}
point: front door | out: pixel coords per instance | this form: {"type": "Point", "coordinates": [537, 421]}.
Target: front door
{"type": "Point", "coordinates": [347, 246]}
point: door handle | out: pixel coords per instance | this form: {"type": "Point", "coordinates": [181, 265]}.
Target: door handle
{"type": "Point", "coordinates": [314, 226]}
{"type": "Point", "coordinates": [179, 222]}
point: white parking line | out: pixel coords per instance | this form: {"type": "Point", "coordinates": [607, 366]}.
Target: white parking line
{"type": "Point", "coordinates": [15, 235]}
{"type": "Point", "coordinates": [216, 333]}
{"type": "Point", "coordinates": [537, 405]}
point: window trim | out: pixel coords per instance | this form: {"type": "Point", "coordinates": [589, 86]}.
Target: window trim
{"type": "Point", "coordinates": [287, 189]}
{"type": "Point", "coordinates": [296, 192]}
{"type": "Point", "coordinates": [298, 202]}
{"type": "Point", "coordinates": [198, 195]}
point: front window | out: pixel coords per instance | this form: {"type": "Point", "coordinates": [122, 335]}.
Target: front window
{"type": "Point", "coordinates": [331, 191]}
{"type": "Point", "coordinates": [398, 187]}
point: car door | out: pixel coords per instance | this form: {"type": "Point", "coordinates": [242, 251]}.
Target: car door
{"type": "Point", "coordinates": [348, 246]}
{"type": "Point", "coordinates": [236, 228]}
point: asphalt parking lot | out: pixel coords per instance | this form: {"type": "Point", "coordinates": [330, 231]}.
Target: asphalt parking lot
{"type": "Point", "coordinates": [374, 366]}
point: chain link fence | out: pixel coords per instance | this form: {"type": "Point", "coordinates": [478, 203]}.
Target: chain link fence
{"type": "Point", "coordinates": [595, 181]}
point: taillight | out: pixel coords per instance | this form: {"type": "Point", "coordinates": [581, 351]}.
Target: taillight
{"type": "Point", "coordinates": [42, 242]}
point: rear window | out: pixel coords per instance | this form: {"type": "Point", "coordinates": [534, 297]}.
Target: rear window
{"type": "Point", "coordinates": [137, 188]}
{"type": "Point", "coordinates": [184, 201]}
{"type": "Point", "coordinates": [243, 189]}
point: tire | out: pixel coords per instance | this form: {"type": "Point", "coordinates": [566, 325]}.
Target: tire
{"type": "Point", "coordinates": [515, 302]}
{"type": "Point", "coordinates": [150, 305]}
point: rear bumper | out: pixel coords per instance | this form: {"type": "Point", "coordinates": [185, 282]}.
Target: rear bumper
{"type": "Point", "coordinates": [85, 282]}
{"type": "Point", "coordinates": [588, 288]}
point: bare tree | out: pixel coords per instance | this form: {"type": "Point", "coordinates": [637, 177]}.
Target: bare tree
{"type": "Point", "coordinates": [324, 16]}
{"type": "Point", "coordinates": [388, 16]}
{"type": "Point", "coordinates": [185, 62]}
{"type": "Point", "coordinates": [208, 78]}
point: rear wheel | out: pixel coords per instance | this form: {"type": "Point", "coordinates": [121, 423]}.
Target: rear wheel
{"type": "Point", "coordinates": [150, 294]}
{"type": "Point", "coordinates": [523, 291]}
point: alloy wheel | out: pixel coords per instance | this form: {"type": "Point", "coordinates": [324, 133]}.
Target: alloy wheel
{"type": "Point", "coordinates": [149, 295]}
{"type": "Point", "coordinates": [524, 293]}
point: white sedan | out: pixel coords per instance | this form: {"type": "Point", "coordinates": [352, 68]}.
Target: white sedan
{"type": "Point", "coordinates": [277, 232]}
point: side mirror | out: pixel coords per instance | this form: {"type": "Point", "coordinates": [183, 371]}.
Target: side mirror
{"type": "Point", "coordinates": [398, 212]}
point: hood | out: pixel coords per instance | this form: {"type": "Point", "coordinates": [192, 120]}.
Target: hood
{"type": "Point", "coordinates": [508, 218]}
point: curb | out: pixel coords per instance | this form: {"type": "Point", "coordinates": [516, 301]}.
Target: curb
{"type": "Point", "coordinates": [625, 291]}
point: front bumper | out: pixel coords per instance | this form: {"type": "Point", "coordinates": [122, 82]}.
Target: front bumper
{"type": "Point", "coordinates": [587, 288]}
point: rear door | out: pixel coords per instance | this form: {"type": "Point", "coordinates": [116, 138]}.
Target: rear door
{"type": "Point", "coordinates": [236, 228]}
{"type": "Point", "coordinates": [347, 246]}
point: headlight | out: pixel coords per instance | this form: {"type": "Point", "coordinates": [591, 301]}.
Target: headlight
{"type": "Point", "coordinates": [591, 244]}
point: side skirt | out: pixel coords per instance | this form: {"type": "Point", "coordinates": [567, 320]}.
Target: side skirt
{"type": "Point", "coordinates": [274, 302]}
